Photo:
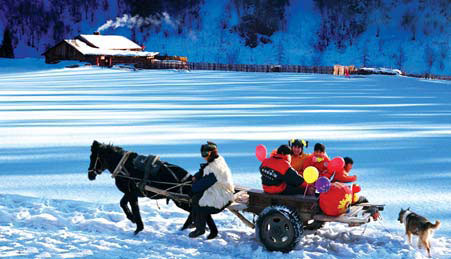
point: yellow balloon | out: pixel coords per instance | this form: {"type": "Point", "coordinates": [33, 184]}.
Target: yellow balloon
{"type": "Point", "coordinates": [311, 174]}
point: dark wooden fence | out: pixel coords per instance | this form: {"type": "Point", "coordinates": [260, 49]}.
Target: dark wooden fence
{"type": "Point", "coordinates": [258, 68]}
{"type": "Point", "coordinates": [236, 67]}
{"type": "Point", "coordinates": [429, 76]}
{"type": "Point", "coordinates": [163, 64]}
{"type": "Point", "coordinates": [261, 68]}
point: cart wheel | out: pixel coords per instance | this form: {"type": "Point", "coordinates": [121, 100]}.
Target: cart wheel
{"type": "Point", "coordinates": [279, 228]}
{"type": "Point", "coordinates": [314, 225]}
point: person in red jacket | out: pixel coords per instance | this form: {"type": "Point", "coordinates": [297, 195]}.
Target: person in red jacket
{"type": "Point", "coordinates": [343, 175]}
{"type": "Point", "coordinates": [349, 163]}
{"type": "Point", "coordinates": [318, 159]}
{"type": "Point", "coordinates": [345, 178]}
{"type": "Point", "coordinates": [278, 177]}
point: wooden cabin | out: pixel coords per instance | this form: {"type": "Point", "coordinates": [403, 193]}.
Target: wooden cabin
{"type": "Point", "coordinates": [101, 50]}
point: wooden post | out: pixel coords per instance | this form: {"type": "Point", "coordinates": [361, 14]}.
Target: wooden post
{"type": "Point", "coordinates": [242, 218]}
{"type": "Point", "coordinates": [176, 196]}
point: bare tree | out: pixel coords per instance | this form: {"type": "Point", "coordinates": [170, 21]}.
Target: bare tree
{"type": "Point", "coordinates": [429, 57]}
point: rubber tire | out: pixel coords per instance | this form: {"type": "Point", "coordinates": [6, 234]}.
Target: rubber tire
{"type": "Point", "coordinates": [279, 228]}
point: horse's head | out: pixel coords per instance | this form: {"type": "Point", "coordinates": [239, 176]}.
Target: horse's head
{"type": "Point", "coordinates": [96, 164]}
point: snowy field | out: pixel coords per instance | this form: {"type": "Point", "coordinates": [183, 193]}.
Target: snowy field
{"type": "Point", "coordinates": [397, 130]}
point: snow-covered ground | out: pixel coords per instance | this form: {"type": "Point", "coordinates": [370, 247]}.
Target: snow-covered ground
{"type": "Point", "coordinates": [397, 130]}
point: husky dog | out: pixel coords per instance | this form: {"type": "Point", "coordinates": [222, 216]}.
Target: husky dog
{"type": "Point", "coordinates": [418, 225]}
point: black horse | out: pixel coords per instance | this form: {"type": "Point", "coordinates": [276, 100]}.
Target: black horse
{"type": "Point", "coordinates": [168, 176]}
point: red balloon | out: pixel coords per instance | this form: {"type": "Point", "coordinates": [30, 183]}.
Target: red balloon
{"type": "Point", "coordinates": [337, 200]}
{"type": "Point", "coordinates": [260, 152]}
{"type": "Point", "coordinates": [356, 188]}
{"type": "Point", "coordinates": [336, 165]}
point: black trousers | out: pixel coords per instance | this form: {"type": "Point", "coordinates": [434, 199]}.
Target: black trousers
{"type": "Point", "coordinates": [202, 214]}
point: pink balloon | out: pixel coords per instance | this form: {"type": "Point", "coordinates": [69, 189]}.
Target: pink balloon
{"type": "Point", "coordinates": [336, 164]}
{"type": "Point", "coordinates": [260, 152]}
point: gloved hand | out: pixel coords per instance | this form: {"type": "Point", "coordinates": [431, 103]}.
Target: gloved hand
{"type": "Point", "coordinates": [200, 173]}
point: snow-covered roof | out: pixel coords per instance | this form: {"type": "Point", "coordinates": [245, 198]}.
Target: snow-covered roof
{"type": "Point", "coordinates": [114, 42]}
{"type": "Point", "coordinates": [84, 49]}
{"type": "Point", "coordinates": [382, 70]}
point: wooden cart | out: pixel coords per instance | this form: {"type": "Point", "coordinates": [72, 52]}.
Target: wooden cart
{"type": "Point", "coordinates": [282, 219]}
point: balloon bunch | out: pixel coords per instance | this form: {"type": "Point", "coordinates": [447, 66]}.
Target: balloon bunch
{"type": "Point", "coordinates": [311, 175]}
{"type": "Point", "coordinates": [335, 198]}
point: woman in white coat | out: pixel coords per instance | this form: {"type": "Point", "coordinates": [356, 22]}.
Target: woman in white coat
{"type": "Point", "coordinates": [213, 190]}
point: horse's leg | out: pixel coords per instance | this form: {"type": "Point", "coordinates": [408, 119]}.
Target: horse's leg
{"type": "Point", "coordinates": [188, 222]}
{"type": "Point", "coordinates": [137, 215]}
{"type": "Point", "coordinates": [124, 206]}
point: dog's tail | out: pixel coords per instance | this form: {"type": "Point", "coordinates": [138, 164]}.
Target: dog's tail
{"type": "Point", "coordinates": [434, 226]}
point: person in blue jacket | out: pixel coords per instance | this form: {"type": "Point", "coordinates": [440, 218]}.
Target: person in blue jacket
{"type": "Point", "coordinates": [212, 189]}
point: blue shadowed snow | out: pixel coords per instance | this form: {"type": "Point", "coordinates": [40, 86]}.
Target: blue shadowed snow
{"type": "Point", "coordinates": [396, 129]}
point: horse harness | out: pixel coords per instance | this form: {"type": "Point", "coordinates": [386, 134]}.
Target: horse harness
{"type": "Point", "coordinates": [120, 168]}
{"type": "Point", "coordinates": [151, 166]}
{"type": "Point", "coordinates": [94, 169]}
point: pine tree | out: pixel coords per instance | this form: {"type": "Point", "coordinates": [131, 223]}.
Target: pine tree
{"type": "Point", "coordinates": [429, 57]}
{"type": "Point", "coordinates": [365, 56]}
{"type": "Point", "coordinates": [401, 57]}
{"type": "Point", "coordinates": [6, 49]}
{"type": "Point", "coordinates": [280, 52]}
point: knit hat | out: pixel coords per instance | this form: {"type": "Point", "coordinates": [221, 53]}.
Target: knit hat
{"type": "Point", "coordinates": [206, 148]}
{"type": "Point", "coordinates": [298, 143]}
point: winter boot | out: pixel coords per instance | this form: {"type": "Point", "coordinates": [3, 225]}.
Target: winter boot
{"type": "Point", "coordinates": [213, 229]}
{"type": "Point", "coordinates": [196, 233]}
{"type": "Point", "coordinates": [200, 222]}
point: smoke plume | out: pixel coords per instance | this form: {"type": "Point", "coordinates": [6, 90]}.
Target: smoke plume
{"type": "Point", "coordinates": [136, 21]}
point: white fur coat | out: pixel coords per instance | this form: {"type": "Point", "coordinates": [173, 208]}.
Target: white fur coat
{"type": "Point", "coordinates": [220, 193]}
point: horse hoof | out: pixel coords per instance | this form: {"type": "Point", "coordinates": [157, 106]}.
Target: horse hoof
{"type": "Point", "coordinates": [186, 226]}
{"type": "Point", "coordinates": [138, 230]}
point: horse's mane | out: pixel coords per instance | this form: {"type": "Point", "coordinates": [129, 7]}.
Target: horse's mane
{"type": "Point", "coordinates": [107, 148]}
{"type": "Point", "coordinates": [111, 147]}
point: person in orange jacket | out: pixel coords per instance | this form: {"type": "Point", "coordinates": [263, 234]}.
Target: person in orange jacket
{"type": "Point", "coordinates": [318, 159]}
{"type": "Point", "coordinates": [297, 153]}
